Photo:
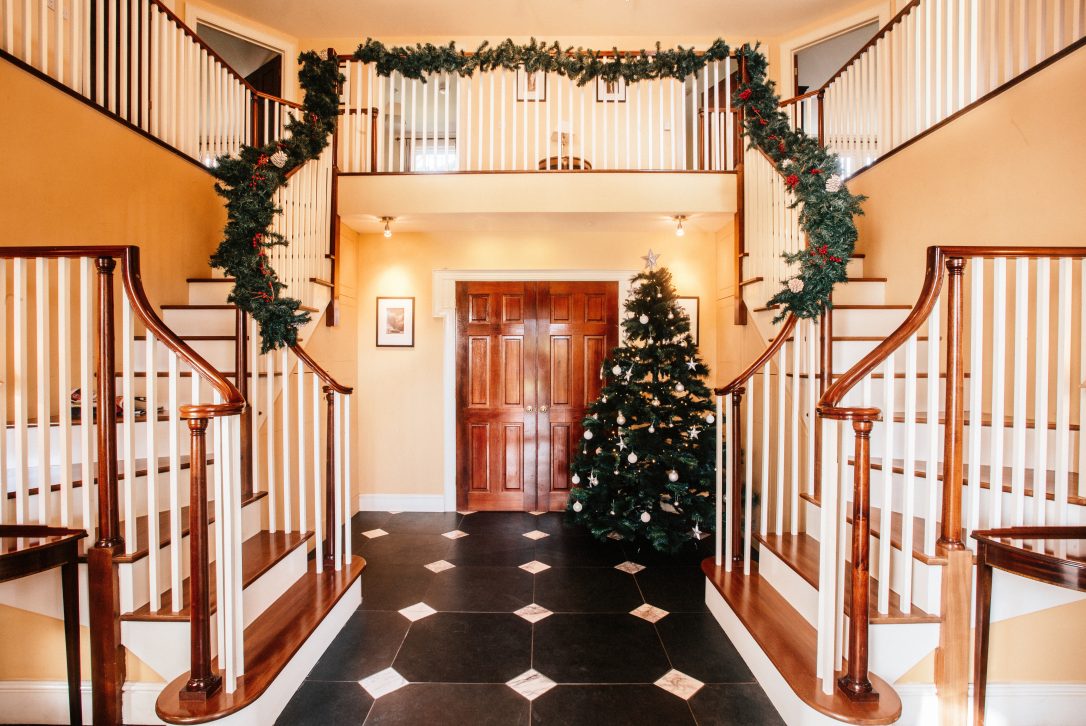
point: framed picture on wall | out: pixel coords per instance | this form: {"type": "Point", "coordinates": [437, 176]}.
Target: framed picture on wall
{"type": "Point", "coordinates": [395, 322]}
{"type": "Point", "coordinates": [689, 305]}
{"type": "Point", "coordinates": [531, 86]}
{"type": "Point", "coordinates": [613, 91]}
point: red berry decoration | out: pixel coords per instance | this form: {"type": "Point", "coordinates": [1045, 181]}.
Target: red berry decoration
{"type": "Point", "coordinates": [815, 170]}
{"type": "Point", "coordinates": [745, 94]}
{"type": "Point", "coordinates": [791, 180]}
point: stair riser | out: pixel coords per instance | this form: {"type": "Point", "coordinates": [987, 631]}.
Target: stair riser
{"type": "Point", "coordinates": [169, 655]}
{"type": "Point", "coordinates": [860, 293]}
{"type": "Point", "coordinates": [196, 321]}
{"type": "Point", "coordinates": [875, 321]}
{"type": "Point", "coordinates": [209, 293]}
{"type": "Point", "coordinates": [162, 441]}
{"type": "Point", "coordinates": [219, 353]}
{"type": "Point", "coordinates": [847, 353]}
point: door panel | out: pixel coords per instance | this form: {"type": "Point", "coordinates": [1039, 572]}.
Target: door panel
{"type": "Point", "coordinates": [528, 362]}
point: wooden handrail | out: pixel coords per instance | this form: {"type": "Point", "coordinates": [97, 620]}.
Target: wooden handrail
{"type": "Point", "coordinates": [320, 372]}
{"type": "Point", "coordinates": [276, 99]}
{"type": "Point", "coordinates": [767, 354]}
{"type": "Point", "coordinates": [800, 97]}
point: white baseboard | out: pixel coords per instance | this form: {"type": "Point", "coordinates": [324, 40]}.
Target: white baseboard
{"type": "Point", "coordinates": [401, 503]}
{"type": "Point", "coordinates": [1008, 704]}
{"type": "Point", "coordinates": [46, 702]}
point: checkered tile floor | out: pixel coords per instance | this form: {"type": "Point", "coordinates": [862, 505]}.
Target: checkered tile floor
{"type": "Point", "coordinates": [516, 618]}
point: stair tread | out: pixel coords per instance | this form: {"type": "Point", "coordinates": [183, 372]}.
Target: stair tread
{"type": "Point", "coordinates": [271, 641]}
{"type": "Point", "coordinates": [222, 307]}
{"type": "Point", "coordinates": [800, 552]}
{"type": "Point", "coordinates": [259, 554]}
{"type": "Point", "coordinates": [898, 466]}
{"type": "Point", "coordinates": [985, 420]}
{"type": "Point", "coordinates": [141, 470]}
{"type": "Point", "coordinates": [790, 643]}
{"type": "Point", "coordinates": [873, 307]}
{"type": "Point", "coordinates": [55, 420]}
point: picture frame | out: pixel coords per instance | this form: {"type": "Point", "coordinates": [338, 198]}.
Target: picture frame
{"type": "Point", "coordinates": [610, 91]}
{"type": "Point", "coordinates": [395, 322]}
{"type": "Point", "coordinates": [690, 305]}
{"type": "Point", "coordinates": [531, 87]}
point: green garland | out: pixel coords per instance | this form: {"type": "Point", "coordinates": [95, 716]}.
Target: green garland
{"type": "Point", "coordinates": [580, 65]}
{"type": "Point", "coordinates": [248, 182]}
{"type": "Point", "coordinates": [810, 171]}
{"type": "Point", "coordinates": [813, 174]}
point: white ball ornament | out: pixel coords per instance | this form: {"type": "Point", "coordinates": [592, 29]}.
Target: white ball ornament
{"type": "Point", "coordinates": [577, 506]}
{"type": "Point", "coordinates": [652, 429]}
{"type": "Point", "coordinates": [646, 517]}
{"type": "Point", "coordinates": [617, 370]}
{"type": "Point", "coordinates": [795, 285]}
{"type": "Point", "coordinates": [671, 316]}
{"type": "Point", "coordinates": [643, 319]}
{"type": "Point", "coordinates": [576, 479]}
{"type": "Point", "coordinates": [680, 387]}
{"type": "Point", "coordinates": [673, 475]}
{"type": "Point", "coordinates": [621, 420]}
{"type": "Point", "coordinates": [710, 418]}
{"type": "Point", "coordinates": [588, 435]}
{"type": "Point", "coordinates": [632, 458]}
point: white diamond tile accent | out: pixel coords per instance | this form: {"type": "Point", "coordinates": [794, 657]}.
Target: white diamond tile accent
{"type": "Point", "coordinates": [536, 514]}
{"type": "Point", "coordinates": [649, 612]}
{"type": "Point", "coordinates": [631, 568]}
{"type": "Point", "coordinates": [531, 684]}
{"type": "Point", "coordinates": [536, 534]}
{"type": "Point", "coordinates": [535, 567]}
{"type": "Point", "coordinates": [455, 534]}
{"type": "Point", "coordinates": [374, 533]}
{"type": "Point", "coordinates": [465, 512]}
{"type": "Point", "coordinates": [439, 566]}
{"type": "Point", "coordinates": [396, 512]}
{"type": "Point", "coordinates": [383, 683]}
{"type": "Point", "coordinates": [679, 684]}
{"type": "Point", "coordinates": [418, 611]}
{"type": "Point", "coordinates": [533, 613]}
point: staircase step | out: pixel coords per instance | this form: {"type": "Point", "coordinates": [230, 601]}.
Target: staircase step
{"type": "Point", "coordinates": [790, 643]}
{"type": "Point", "coordinates": [985, 420]}
{"type": "Point", "coordinates": [270, 643]}
{"type": "Point", "coordinates": [259, 554]}
{"type": "Point", "coordinates": [898, 467]}
{"type": "Point", "coordinates": [800, 552]}
{"type": "Point", "coordinates": [141, 470]}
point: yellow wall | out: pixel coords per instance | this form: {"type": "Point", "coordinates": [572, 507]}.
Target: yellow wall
{"type": "Point", "coordinates": [400, 439]}
{"type": "Point", "coordinates": [73, 176]}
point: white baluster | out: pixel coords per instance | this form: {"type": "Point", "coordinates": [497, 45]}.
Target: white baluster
{"type": "Point", "coordinates": [42, 305]}
{"type": "Point", "coordinates": [1063, 389]}
{"type": "Point", "coordinates": [1018, 422]}
{"type": "Point", "coordinates": [976, 390]}
{"type": "Point", "coordinates": [1040, 394]}
{"type": "Point", "coordinates": [999, 355]}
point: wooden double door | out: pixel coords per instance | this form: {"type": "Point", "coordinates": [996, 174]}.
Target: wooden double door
{"type": "Point", "coordinates": [528, 360]}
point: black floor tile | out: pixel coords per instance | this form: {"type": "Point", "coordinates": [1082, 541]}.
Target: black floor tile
{"type": "Point", "coordinates": [510, 523]}
{"type": "Point", "coordinates": [319, 703]}
{"type": "Point", "coordinates": [444, 703]}
{"type": "Point", "coordinates": [741, 704]}
{"type": "Point", "coordinates": [466, 648]}
{"type": "Point", "coordinates": [401, 549]}
{"type": "Point", "coordinates": [392, 587]}
{"type": "Point", "coordinates": [557, 523]}
{"type": "Point", "coordinates": [691, 554]}
{"type": "Point", "coordinates": [587, 590]}
{"type": "Point", "coordinates": [675, 589]}
{"type": "Point", "coordinates": [619, 705]}
{"type": "Point", "coordinates": [698, 647]}
{"type": "Point", "coordinates": [578, 551]}
{"type": "Point", "coordinates": [480, 589]}
{"type": "Point", "coordinates": [367, 643]}
{"type": "Point", "coordinates": [491, 549]}
{"type": "Point", "coordinates": [598, 649]}
{"type": "Point", "coordinates": [422, 522]}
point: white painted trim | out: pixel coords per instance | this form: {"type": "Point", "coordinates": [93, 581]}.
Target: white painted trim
{"type": "Point", "coordinates": [443, 294]}
{"type": "Point", "coordinates": [46, 702]}
{"type": "Point", "coordinates": [789, 47]}
{"type": "Point", "coordinates": [286, 45]}
{"type": "Point", "coordinates": [402, 503]}
{"type": "Point", "coordinates": [1020, 704]}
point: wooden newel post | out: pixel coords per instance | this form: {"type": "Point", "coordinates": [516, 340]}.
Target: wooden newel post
{"type": "Point", "coordinates": [953, 432]}
{"type": "Point", "coordinates": [202, 681]}
{"type": "Point", "coordinates": [104, 597]}
{"type": "Point", "coordinates": [241, 380]}
{"type": "Point", "coordinates": [330, 477]}
{"type": "Point", "coordinates": [855, 683]}
{"type": "Point", "coordinates": [822, 117]}
{"type": "Point", "coordinates": [736, 514]}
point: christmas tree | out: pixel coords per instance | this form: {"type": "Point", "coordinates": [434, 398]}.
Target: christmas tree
{"type": "Point", "coordinates": [645, 471]}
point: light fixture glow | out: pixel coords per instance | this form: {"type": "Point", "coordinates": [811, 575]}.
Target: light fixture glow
{"type": "Point", "coordinates": [388, 226]}
{"type": "Point", "coordinates": [679, 219]}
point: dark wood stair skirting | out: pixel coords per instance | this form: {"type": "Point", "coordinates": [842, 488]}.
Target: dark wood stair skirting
{"type": "Point", "coordinates": [790, 643]}
{"type": "Point", "coordinates": [270, 643]}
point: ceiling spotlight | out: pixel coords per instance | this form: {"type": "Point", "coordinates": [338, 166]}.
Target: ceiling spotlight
{"type": "Point", "coordinates": [388, 225]}
{"type": "Point", "coordinates": [679, 219]}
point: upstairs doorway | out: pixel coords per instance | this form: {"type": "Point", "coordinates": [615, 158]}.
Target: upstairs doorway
{"type": "Point", "coordinates": [529, 359]}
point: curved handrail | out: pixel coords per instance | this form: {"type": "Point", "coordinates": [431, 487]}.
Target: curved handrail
{"type": "Point", "coordinates": [320, 372]}
{"type": "Point", "coordinates": [233, 402]}
{"type": "Point", "coordinates": [866, 46]}
{"type": "Point", "coordinates": [768, 353]}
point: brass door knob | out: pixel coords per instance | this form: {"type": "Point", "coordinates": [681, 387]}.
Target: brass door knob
{"type": "Point", "coordinates": [542, 409]}
{"type": "Point", "coordinates": [530, 409]}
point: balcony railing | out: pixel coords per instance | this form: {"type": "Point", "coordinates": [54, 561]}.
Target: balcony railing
{"type": "Point", "coordinates": [510, 121]}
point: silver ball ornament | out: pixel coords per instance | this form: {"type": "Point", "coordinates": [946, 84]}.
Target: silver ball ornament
{"type": "Point", "coordinates": [645, 517]}
{"type": "Point", "coordinates": [673, 475]}
{"type": "Point", "coordinates": [576, 479]}
{"type": "Point", "coordinates": [588, 435]}
{"type": "Point", "coordinates": [643, 319]}
{"type": "Point", "coordinates": [577, 506]}
{"type": "Point", "coordinates": [710, 418]}
{"type": "Point", "coordinates": [632, 458]}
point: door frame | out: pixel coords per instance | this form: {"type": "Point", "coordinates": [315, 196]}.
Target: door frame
{"type": "Point", "coordinates": [444, 307]}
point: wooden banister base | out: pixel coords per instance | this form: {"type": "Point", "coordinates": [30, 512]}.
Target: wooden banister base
{"type": "Point", "coordinates": [200, 689]}
{"type": "Point", "coordinates": [857, 690]}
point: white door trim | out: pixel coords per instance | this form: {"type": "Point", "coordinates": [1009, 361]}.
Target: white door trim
{"type": "Point", "coordinates": [444, 307]}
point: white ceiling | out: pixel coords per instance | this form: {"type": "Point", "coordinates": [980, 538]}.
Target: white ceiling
{"type": "Point", "coordinates": [545, 19]}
